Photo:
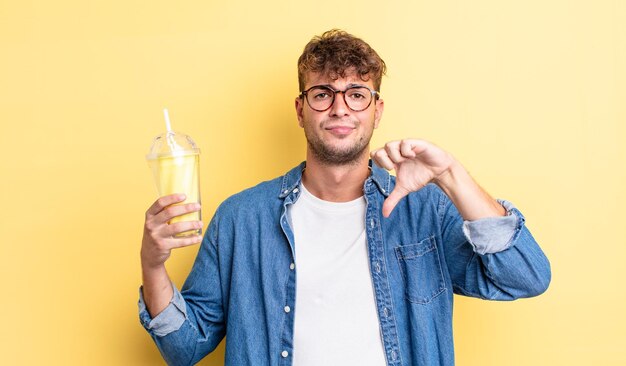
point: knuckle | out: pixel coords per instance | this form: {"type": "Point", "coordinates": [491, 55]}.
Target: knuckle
{"type": "Point", "coordinates": [160, 244]}
{"type": "Point", "coordinates": [171, 211]}
{"type": "Point", "coordinates": [150, 226]}
{"type": "Point", "coordinates": [178, 227]}
{"type": "Point", "coordinates": [161, 202]}
{"type": "Point", "coordinates": [193, 240]}
{"type": "Point", "coordinates": [155, 238]}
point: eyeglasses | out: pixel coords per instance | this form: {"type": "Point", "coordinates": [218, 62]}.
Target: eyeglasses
{"type": "Point", "coordinates": [357, 97]}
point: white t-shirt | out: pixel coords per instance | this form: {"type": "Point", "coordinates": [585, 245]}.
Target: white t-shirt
{"type": "Point", "coordinates": [335, 313]}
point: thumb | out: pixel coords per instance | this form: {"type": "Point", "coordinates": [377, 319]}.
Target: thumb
{"type": "Point", "coordinates": [392, 200]}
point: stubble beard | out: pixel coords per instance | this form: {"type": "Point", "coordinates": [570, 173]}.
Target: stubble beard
{"type": "Point", "coordinates": [332, 156]}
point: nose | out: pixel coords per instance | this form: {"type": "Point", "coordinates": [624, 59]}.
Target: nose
{"type": "Point", "coordinates": [339, 107]}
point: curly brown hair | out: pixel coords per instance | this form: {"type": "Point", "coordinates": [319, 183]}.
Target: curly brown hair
{"type": "Point", "coordinates": [336, 52]}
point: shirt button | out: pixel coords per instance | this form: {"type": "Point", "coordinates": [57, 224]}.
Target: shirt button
{"type": "Point", "coordinates": [377, 267]}
{"type": "Point", "coordinates": [287, 309]}
{"type": "Point", "coordinates": [394, 355]}
{"type": "Point", "coordinates": [386, 312]}
{"type": "Point", "coordinates": [295, 190]}
{"type": "Point", "coordinates": [284, 354]}
{"type": "Point", "coordinates": [285, 191]}
{"type": "Point", "coordinates": [292, 266]}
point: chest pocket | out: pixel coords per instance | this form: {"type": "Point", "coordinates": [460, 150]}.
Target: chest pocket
{"type": "Point", "coordinates": [421, 270]}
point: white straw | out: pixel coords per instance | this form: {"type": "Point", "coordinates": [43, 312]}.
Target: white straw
{"type": "Point", "coordinates": [168, 125]}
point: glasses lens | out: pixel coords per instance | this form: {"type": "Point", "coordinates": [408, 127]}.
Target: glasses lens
{"type": "Point", "coordinates": [358, 98]}
{"type": "Point", "coordinates": [320, 98]}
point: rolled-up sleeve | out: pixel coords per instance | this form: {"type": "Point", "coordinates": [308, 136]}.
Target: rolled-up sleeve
{"type": "Point", "coordinates": [494, 234]}
{"type": "Point", "coordinates": [169, 320]}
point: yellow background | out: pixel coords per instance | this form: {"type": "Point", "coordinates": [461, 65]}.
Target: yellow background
{"type": "Point", "coordinates": [528, 95]}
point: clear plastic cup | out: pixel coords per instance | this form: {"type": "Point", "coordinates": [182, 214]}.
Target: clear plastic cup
{"type": "Point", "coordinates": [174, 160]}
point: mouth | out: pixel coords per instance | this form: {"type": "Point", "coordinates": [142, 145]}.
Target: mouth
{"type": "Point", "coordinates": [340, 129]}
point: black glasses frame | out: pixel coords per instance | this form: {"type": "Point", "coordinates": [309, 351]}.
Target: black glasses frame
{"type": "Point", "coordinates": [304, 94]}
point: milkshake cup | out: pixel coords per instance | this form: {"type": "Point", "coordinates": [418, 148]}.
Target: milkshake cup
{"type": "Point", "coordinates": [174, 161]}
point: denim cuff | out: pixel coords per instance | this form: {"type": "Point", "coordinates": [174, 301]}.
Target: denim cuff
{"type": "Point", "coordinates": [494, 234]}
{"type": "Point", "coordinates": [169, 320]}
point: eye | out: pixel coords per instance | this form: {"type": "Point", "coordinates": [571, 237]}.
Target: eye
{"type": "Point", "coordinates": [358, 94]}
{"type": "Point", "coordinates": [321, 93]}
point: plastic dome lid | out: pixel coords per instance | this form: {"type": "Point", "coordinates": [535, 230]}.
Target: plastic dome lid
{"type": "Point", "coordinates": [172, 143]}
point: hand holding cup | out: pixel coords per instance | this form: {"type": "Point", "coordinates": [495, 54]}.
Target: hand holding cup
{"type": "Point", "coordinates": [160, 234]}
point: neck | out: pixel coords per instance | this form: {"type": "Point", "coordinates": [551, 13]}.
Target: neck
{"type": "Point", "coordinates": [336, 183]}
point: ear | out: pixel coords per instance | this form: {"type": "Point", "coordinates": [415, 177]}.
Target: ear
{"type": "Point", "coordinates": [299, 106]}
{"type": "Point", "coordinates": [378, 112]}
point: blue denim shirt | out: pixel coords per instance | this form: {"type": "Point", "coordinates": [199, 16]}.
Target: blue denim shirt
{"type": "Point", "coordinates": [244, 276]}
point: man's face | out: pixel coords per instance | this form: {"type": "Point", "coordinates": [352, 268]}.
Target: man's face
{"type": "Point", "coordinates": [338, 135]}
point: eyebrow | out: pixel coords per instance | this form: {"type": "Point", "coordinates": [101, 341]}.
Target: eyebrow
{"type": "Point", "coordinates": [351, 85]}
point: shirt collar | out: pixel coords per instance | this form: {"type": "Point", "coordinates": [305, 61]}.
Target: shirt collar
{"type": "Point", "coordinates": [378, 175]}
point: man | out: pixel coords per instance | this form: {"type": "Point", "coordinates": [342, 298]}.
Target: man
{"type": "Point", "coordinates": [337, 262]}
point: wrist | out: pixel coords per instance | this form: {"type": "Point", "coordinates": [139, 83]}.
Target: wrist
{"type": "Point", "coordinates": [469, 198]}
{"type": "Point", "coordinates": [451, 177]}
{"type": "Point", "coordinates": [151, 268]}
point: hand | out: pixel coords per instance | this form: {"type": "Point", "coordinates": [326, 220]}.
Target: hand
{"type": "Point", "coordinates": [416, 162]}
{"type": "Point", "coordinates": [158, 236]}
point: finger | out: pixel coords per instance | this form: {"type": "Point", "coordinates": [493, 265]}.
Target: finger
{"type": "Point", "coordinates": [176, 210]}
{"type": "Point", "coordinates": [181, 227]}
{"type": "Point", "coordinates": [163, 202]}
{"type": "Point", "coordinates": [393, 151]}
{"type": "Point", "coordinates": [419, 146]}
{"type": "Point", "coordinates": [184, 242]}
{"type": "Point", "coordinates": [381, 158]}
{"type": "Point", "coordinates": [406, 148]}
{"type": "Point", "coordinates": [392, 200]}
